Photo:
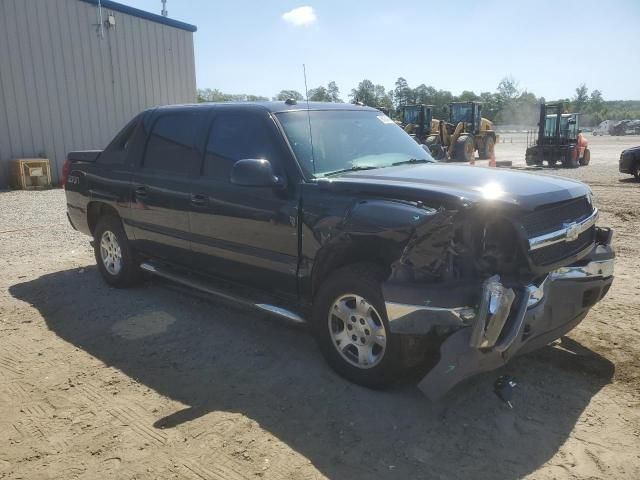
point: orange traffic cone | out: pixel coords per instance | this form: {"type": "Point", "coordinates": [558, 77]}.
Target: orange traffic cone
{"type": "Point", "coordinates": [492, 160]}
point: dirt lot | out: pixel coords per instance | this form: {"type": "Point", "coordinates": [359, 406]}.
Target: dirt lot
{"type": "Point", "coordinates": [100, 383]}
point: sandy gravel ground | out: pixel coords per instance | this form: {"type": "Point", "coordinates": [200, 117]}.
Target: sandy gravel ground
{"type": "Point", "coordinates": [99, 383]}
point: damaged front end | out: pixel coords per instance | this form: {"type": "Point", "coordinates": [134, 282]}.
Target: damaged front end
{"type": "Point", "coordinates": [494, 296]}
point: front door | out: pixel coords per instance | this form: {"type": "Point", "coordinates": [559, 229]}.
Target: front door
{"type": "Point", "coordinates": [238, 232]}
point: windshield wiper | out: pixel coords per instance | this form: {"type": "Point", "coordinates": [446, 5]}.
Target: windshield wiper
{"type": "Point", "coordinates": [412, 160]}
{"type": "Point", "coordinates": [355, 168]}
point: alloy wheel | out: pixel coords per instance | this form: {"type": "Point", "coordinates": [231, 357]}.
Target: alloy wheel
{"type": "Point", "coordinates": [110, 252]}
{"type": "Point", "coordinates": [357, 331]}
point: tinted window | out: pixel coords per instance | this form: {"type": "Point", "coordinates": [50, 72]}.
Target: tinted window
{"type": "Point", "coordinates": [172, 144]}
{"type": "Point", "coordinates": [114, 154]}
{"type": "Point", "coordinates": [237, 136]}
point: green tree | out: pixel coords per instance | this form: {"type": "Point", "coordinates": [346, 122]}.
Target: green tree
{"type": "Point", "coordinates": [508, 89]}
{"type": "Point", "coordinates": [507, 93]}
{"type": "Point", "coordinates": [365, 93]}
{"type": "Point", "coordinates": [334, 92]}
{"type": "Point", "coordinates": [523, 110]}
{"type": "Point", "coordinates": [468, 96]}
{"type": "Point", "coordinates": [402, 94]}
{"type": "Point", "coordinates": [441, 101]}
{"type": "Point", "coordinates": [491, 105]}
{"type": "Point", "coordinates": [208, 95]}
{"type": "Point", "coordinates": [579, 101]}
{"type": "Point", "coordinates": [596, 102]}
{"type": "Point", "coordinates": [287, 94]}
{"type": "Point", "coordinates": [371, 95]}
{"type": "Point", "coordinates": [423, 95]}
{"type": "Point", "coordinates": [319, 94]}
{"type": "Point", "coordinates": [383, 98]}
{"type": "Point", "coordinates": [329, 94]}
{"type": "Point", "coordinates": [215, 95]}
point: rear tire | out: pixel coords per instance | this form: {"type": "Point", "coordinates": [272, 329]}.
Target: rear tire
{"type": "Point", "coordinates": [113, 254]}
{"type": "Point", "coordinates": [351, 327]}
{"type": "Point", "coordinates": [464, 149]}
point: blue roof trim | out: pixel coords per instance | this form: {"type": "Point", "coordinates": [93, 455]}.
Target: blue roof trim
{"type": "Point", "coordinates": [142, 14]}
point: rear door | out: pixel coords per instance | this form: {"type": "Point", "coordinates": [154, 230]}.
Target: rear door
{"type": "Point", "coordinates": [163, 182]}
{"type": "Point", "coordinates": [110, 178]}
{"type": "Point", "coordinates": [245, 233]}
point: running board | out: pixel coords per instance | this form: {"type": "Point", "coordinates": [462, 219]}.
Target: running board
{"type": "Point", "coordinates": [221, 294]}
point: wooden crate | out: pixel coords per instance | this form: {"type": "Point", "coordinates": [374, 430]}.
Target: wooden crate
{"type": "Point", "coordinates": [29, 173]}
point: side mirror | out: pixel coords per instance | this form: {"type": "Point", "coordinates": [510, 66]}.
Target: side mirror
{"type": "Point", "coordinates": [254, 172]}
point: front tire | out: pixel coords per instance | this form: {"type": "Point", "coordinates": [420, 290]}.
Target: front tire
{"type": "Point", "coordinates": [352, 330]}
{"type": "Point", "coordinates": [488, 148]}
{"type": "Point", "coordinates": [113, 254]}
{"type": "Point", "coordinates": [464, 149]}
{"type": "Point", "coordinates": [571, 159]}
{"type": "Point", "coordinates": [586, 157]}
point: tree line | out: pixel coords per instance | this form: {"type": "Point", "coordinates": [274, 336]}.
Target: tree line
{"type": "Point", "coordinates": [508, 104]}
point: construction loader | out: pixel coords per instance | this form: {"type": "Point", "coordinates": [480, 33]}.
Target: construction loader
{"type": "Point", "coordinates": [456, 140]}
{"type": "Point", "coordinates": [418, 121]}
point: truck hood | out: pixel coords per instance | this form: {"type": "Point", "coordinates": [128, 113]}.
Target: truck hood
{"type": "Point", "coordinates": [464, 185]}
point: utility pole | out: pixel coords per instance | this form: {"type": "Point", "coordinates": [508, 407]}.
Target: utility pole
{"type": "Point", "coordinates": [164, 8]}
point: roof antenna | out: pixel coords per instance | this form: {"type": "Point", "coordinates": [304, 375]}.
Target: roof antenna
{"type": "Point", "coordinates": [306, 94]}
{"type": "Point", "coordinates": [164, 12]}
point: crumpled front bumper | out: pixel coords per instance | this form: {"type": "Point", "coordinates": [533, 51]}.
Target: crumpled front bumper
{"type": "Point", "coordinates": [507, 321]}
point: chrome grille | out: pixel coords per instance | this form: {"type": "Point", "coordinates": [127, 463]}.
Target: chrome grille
{"type": "Point", "coordinates": [549, 218]}
{"type": "Point", "coordinates": [559, 251]}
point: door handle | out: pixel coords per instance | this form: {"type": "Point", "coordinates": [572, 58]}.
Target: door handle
{"type": "Point", "coordinates": [141, 191]}
{"type": "Point", "coordinates": [199, 200]}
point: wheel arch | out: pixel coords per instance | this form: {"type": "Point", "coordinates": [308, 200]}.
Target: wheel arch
{"type": "Point", "coordinates": [330, 259]}
{"type": "Point", "coordinates": [395, 236]}
{"type": "Point", "coordinates": [96, 210]}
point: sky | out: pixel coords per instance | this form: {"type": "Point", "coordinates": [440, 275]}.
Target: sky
{"type": "Point", "coordinates": [550, 47]}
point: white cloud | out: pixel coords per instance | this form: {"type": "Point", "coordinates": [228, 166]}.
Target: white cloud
{"type": "Point", "coordinates": [300, 17]}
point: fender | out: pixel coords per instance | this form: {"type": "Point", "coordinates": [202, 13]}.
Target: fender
{"type": "Point", "coordinates": [400, 236]}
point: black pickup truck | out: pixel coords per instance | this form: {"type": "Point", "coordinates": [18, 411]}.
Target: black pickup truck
{"type": "Point", "coordinates": [331, 214]}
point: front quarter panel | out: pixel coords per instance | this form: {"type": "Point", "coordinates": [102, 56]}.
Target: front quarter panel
{"type": "Point", "coordinates": [348, 227]}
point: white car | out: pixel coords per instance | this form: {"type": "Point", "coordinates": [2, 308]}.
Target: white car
{"type": "Point", "coordinates": [603, 128]}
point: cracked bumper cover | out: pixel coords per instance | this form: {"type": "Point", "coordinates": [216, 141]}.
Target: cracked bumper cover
{"type": "Point", "coordinates": [507, 321]}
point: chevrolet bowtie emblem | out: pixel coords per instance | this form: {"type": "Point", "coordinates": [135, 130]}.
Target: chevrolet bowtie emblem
{"type": "Point", "coordinates": [573, 230]}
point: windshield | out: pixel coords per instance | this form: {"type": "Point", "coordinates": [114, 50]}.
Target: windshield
{"type": "Point", "coordinates": [411, 115]}
{"type": "Point", "coordinates": [461, 113]}
{"type": "Point", "coordinates": [345, 140]}
{"type": "Point", "coordinates": [568, 126]}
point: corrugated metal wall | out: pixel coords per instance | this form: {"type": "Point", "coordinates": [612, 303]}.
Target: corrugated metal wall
{"type": "Point", "coordinates": [64, 88]}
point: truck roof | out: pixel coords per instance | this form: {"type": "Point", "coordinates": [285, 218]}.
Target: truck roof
{"type": "Point", "coordinates": [274, 107]}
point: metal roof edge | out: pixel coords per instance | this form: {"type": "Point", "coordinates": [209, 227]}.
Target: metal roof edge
{"type": "Point", "coordinates": [136, 12]}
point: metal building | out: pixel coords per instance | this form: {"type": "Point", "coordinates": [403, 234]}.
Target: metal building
{"type": "Point", "coordinates": [73, 72]}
